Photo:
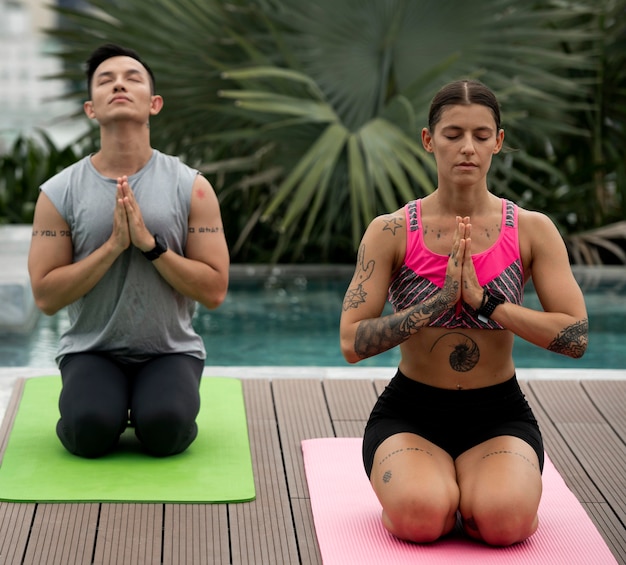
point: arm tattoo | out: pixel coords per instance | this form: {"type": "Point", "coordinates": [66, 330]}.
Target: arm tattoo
{"type": "Point", "coordinates": [206, 229]}
{"type": "Point", "coordinates": [355, 295]}
{"type": "Point", "coordinates": [52, 233]}
{"type": "Point", "coordinates": [572, 341]}
{"type": "Point", "coordinates": [381, 334]}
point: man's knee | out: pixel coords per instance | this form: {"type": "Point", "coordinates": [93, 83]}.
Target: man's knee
{"type": "Point", "coordinates": [166, 433]}
{"type": "Point", "coordinates": [90, 435]}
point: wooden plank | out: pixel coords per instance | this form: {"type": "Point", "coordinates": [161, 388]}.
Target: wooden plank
{"type": "Point", "coordinates": [15, 522]}
{"type": "Point", "coordinates": [302, 414]}
{"type": "Point", "coordinates": [195, 534]}
{"type": "Point", "coordinates": [603, 455]}
{"type": "Point", "coordinates": [307, 540]}
{"type": "Point", "coordinates": [62, 533]}
{"type": "Point", "coordinates": [349, 403]}
{"type": "Point", "coordinates": [262, 531]}
{"type": "Point", "coordinates": [129, 533]}
{"type": "Point", "coordinates": [350, 428]}
{"type": "Point", "coordinates": [560, 453]}
{"type": "Point", "coordinates": [590, 436]}
{"type": "Point", "coordinates": [594, 443]}
{"type": "Point", "coordinates": [609, 397]}
{"type": "Point", "coordinates": [566, 402]}
{"type": "Point", "coordinates": [610, 528]}
{"type": "Point", "coordinates": [349, 399]}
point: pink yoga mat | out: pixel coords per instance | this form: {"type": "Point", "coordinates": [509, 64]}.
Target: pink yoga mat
{"type": "Point", "coordinates": [346, 513]}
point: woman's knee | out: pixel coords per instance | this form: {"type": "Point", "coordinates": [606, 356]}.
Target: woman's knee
{"type": "Point", "coordinates": [421, 519]}
{"type": "Point", "coordinates": [501, 523]}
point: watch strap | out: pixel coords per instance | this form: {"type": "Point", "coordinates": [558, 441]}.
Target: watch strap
{"type": "Point", "coordinates": [490, 302]}
{"type": "Point", "coordinates": [159, 248]}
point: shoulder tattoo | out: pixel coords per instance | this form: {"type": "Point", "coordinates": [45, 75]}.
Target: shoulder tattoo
{"type": "Point", "coordinates": [393, 224]}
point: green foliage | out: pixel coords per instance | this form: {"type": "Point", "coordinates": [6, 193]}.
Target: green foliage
{"type": "Point", "coordinates": [307, 116]}
{"type": "Point", "coordinates": [29, 163]}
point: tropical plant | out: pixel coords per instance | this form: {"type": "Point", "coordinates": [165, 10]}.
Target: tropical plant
{"type": "Point", "coordinates": [590, 204]}
{"type": "Point", "coordinates": [600, 246]}
{"type": "Point", "coordinates": [596, 165]}
{"type": "Point", "coordinates": [29, 162]}
{"type": "Point", "coordinates": [307, 116]}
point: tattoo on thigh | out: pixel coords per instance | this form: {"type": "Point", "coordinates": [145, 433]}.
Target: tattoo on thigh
{"type": "Point", "coordinates": [508, 452]}
{"type": "Point", "coordinates": [387, 476]}
{"type": "Point", "coordinates": [403, 450]}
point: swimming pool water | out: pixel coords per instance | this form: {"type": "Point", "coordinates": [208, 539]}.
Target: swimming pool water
{"type": "Point", "coordinates": [295, 322]}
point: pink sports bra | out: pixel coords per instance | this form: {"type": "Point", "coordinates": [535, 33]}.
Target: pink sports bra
{"type": "Point", "coordinates": [423, 272]}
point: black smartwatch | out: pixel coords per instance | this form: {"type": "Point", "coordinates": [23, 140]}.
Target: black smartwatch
{"type": "Point", "coordinates": [160, 247]}
{"type": "Point", "coordinates": [491, 299]}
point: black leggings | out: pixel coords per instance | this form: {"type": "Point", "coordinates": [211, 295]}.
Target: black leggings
{"type": "Point", "coordinates": [161, 397]}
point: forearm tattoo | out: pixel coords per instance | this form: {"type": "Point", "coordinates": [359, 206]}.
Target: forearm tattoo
{"type": "Point", "coordinates": [381, 334]}
{"type": "Point", "coordinates": [572, 341]}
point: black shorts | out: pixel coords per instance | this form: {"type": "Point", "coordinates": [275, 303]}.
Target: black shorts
{"type": "Point", "coordinates": [455, 420]}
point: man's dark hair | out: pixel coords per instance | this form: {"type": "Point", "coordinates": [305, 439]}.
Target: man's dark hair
{"type": "Point", "coordinates": [107, 51]}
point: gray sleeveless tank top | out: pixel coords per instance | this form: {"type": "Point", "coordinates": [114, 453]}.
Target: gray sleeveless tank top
{"type": "Point", "coordinates": [132, 313]}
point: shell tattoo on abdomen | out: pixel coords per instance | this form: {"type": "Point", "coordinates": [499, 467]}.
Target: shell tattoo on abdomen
{"type": "Point", "coordinates": [465, 353]}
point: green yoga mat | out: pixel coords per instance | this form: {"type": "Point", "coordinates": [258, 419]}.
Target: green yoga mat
{"type": "Point", "coordinates": [217, 467]}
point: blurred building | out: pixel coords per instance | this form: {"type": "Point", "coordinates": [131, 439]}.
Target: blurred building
{"type": "Point", "coordinates": [27, 99]}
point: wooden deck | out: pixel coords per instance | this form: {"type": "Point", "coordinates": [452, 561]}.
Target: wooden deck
{"type": "Point", "coordinates": [584, 427]}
